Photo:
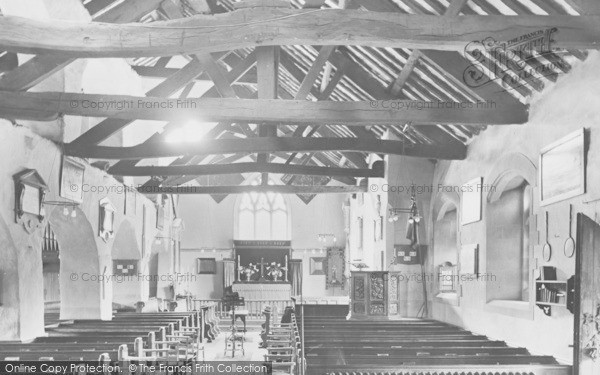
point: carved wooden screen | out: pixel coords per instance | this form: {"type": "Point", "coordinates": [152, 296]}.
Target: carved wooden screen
{"type": "Point", "coordinates": [394, 297]}
{"type": "Point", "coordinates": [359, 296]}
{"type": "Point", "coordinates": [369, 293]}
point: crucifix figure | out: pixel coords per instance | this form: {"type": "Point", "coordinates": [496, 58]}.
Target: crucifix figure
{"type": "Point", "coordinates": [262, 265]}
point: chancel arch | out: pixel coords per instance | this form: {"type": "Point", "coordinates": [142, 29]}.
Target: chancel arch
{"type": "Point", "coordinates": [510, 232]}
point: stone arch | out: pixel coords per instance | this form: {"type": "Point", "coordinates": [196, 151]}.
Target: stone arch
{"type": "Point", "coordinates": [508, 217]}
{"type": "Point", "coordinates": [445, 202]}
{"type": "Point", "coordinates": [506, 169]}
{"type": "Point", "coordinates": [9, 286]}
{"type": "Point", "coordinates": [80, 277]}
{"type": "Point", "coordinates": [126, 290]}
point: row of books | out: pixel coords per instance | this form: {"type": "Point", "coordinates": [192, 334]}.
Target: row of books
{"type": "Point", "coordinates": [550, 296]}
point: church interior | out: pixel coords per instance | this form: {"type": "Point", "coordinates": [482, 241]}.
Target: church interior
{"type": "Point", "coordinates": [316, 186]}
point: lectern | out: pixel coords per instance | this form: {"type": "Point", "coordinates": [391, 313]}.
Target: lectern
{"type": "Point", "coordinates": [369, 297]}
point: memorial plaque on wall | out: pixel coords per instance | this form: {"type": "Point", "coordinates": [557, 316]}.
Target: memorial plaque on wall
{"type": "Point", "coordinates": [470, 204]}
{"type": "Point", "coordinates": [71, 179]}
{"type": "Point", "coordinates": [562, 169]}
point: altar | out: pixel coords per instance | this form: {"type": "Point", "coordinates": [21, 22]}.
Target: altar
{"type": "Point", "coordinates": [262, 270]}
{"type": "Point", "coordinates": [263, 291]}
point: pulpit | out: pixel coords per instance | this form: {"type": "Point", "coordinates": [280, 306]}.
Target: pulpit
{"type": "Point", "coordinates": [262, 270]}
{"type": "Point", "coordinates": [369, 297]}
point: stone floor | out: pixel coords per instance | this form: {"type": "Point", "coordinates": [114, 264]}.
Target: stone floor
{"type": "Point", "coordinates": [216, 350]}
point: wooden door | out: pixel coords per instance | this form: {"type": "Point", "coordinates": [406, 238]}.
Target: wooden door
{"type": "Point", "coordinates": [586, 359]}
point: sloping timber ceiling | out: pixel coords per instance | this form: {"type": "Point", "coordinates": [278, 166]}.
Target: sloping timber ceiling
{"type": "Point", "coordinates": [313, 100]}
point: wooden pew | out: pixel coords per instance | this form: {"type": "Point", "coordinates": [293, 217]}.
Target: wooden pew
{"type": "Point", "coordinates": [418, 351]}
{"type": "Point", "coordinates": [91, 340]}
{"type": "Point", "coordinates": [335, 345]}
{"type": "Point", "coordinates": [282, 343]}
{"type": "Point", "coordinates": [406, 344]}
{"type": "Point", "coordinates": [432, 360]}
{"type": "Point", "coordinates": [448, 369]}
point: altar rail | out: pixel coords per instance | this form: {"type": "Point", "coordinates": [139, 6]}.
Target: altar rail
{"type": "Point", "coordinates": [255, 307]}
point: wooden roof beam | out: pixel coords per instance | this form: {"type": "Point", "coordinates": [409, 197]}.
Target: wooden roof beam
{"type": "Point", "coordinates": [106, 128]}
{"type": "Point", "coordinates": [358, 75]}
{"type": "Point", "coordinates": [214, 133]}
{"type": "Point", "coordinates": [313, 73]}
{"type": "Point", "coordinates": [157, 72]}
{"type": "Point", "coordinates": [452, 65]}
{"type": "Point", "coordinates": [192, 160]}
{"type": "Point", "coordinates": [264, 145]}
{"type": "Point", "coordinates": [585, 7]}
{"type": "Point", "coordinates": [45, 106]}
{"type": "Point", "coordinates": [206, 34]}
{"type": "Point", "coordinates": [236, 168]}
{"type": "Point", "coordinates": [179, 79]}
{"type": "Point", "coordinates": [234, 74]}
{"type": "Point", "coordinates": [396, 88]}
{"type": "Point", "coordinates": [38, 68]}
{"type": "Point", "coordinates": [267, 67]}
{"type": "Point", "coordinates": [242, 189]}
{"type": "Point", "coordinates": [289, 65]}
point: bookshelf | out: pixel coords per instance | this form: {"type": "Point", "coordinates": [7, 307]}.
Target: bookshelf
{"type": "Point", "coordinates": [550, 292]}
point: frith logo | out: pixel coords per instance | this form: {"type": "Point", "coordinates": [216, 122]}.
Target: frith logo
{"type": "Point", "coordinates": [510, 62]}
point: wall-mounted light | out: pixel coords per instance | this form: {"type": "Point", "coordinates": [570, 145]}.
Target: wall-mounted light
{"type": "Point", "coordinates": [412, 211]}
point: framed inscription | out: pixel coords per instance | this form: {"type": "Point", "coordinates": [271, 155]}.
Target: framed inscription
{"type": "Point", "coordinates": [317, 266]}
{"type": "Point", "coordinates": [30, 189]}
{"type": "Point", "coordinates": [471, 201]}
{"type": "Point", "coordinates": [562, 168]}
{"type": "Point", "coordinates": [206, 266]}
{"type": "Point", "coordinates": [71, 179]}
